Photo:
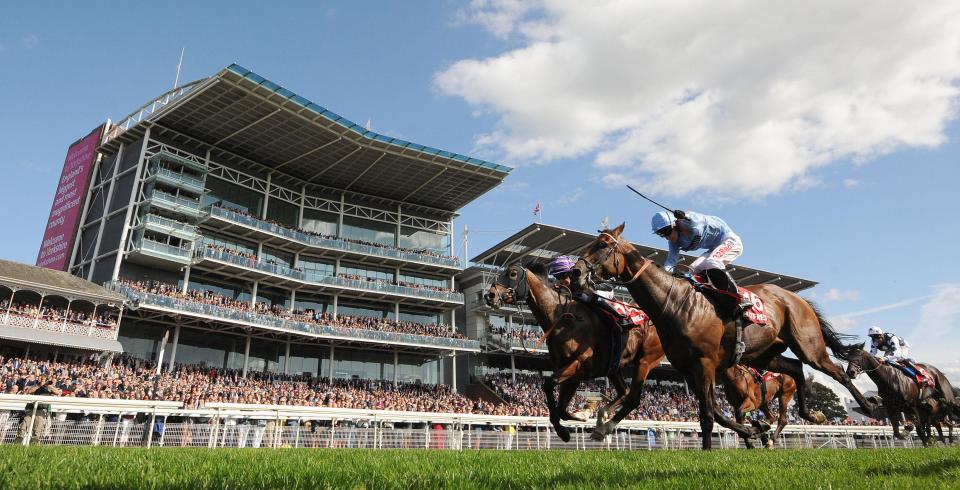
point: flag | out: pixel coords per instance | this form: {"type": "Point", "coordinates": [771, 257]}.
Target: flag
{"type": "Point", "coordinates": [536, 209]}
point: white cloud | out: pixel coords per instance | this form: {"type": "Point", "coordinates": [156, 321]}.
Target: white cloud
{"type": "Point", "coordinates": [890, 306]}
{"type": "Point", "coordinates": [834, 294]}
{"type": "Point", "coordinates": [745, 96]}
{"type": "Point", "coordinates": [570, 198]}
{"type": "Point", "coordinates": [941, 315]}
{"type": "Point", "coordinates": [850, 183]}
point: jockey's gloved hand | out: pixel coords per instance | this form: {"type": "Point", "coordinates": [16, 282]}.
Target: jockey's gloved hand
{"type": "Point", "coordinates": [604, 286]}
{"type": "Point", "coordinates": [679, 214]}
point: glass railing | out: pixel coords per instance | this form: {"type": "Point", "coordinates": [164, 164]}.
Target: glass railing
{"type": "Point", "coordinates": [180, 180]}
{"type": "Point", "coordinates": [331, 243]}
{"type": "Point", "coordinates": [162, 248]}
{"type": "Point", "coordinates": [166, 156]}
{"type": "Point", "coordinates": [178, 203]}
{"type": "Point", "coordinates": [140, 298]}
{"type": "Point", "coordinates": [313, 278]}
{"type": "Point", "coordinates": [170, 224]}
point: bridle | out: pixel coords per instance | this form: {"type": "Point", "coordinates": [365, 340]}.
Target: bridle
{"type": "Point", "coordinates": [517, 296]}
{"type": "Point", "coordinates": [592, 272]}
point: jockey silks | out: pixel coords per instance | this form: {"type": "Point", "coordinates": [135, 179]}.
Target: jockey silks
{"type": "Point", "coordinates": [706, 232]}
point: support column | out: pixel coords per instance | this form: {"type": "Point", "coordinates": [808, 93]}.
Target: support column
{"type": "Point", "coordinates": [173, 350]}
{"type": "Point", "coordinates": [343, 203]}
{"type": "Point", "coordinates": [36, 319]}
{"type": "Point", "coordinates": [253, 295]}
{"type": "Point", "coordinates": [66, 316]}
{"type": "Point", "coordinates": [246, 356]}
{"type": "Point", "coordinates": [396, 311]}
{"type": "Point", "coordinates": [293, 300]}
{"type": "Point", "coordinates": [335, 300]}
{"type": "Point", "coordinates": [330, 370]}
{"type": "Point", "coordinates": [186, 279]}
{"type": "Point", "coordinates": [6, 315]}
{"type": "Point", "coordinates": [303, 202]}
{"type": "Point", "coordinates": [133, 193]}
{"type": "Point", "coordinates": [396, 240]}
{"type": "Point", "coordinates": [513, 368]}
{"type": "Point", "coordinates": [108, 204]}
{"type": "Point", "coordinates": [453, 359]}
{"type": "Point", "coordinates": [396, 366]}
{"type": "Point", "coordinates": [266, 197]}
{"type": "Point", "coordinates": [286, 360]}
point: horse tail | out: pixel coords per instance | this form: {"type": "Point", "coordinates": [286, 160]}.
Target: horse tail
{"type": "Point", "coordinates": [834, 340]}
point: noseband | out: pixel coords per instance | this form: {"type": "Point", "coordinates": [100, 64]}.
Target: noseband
{"type": "Point", "coordinates": [516, 294]}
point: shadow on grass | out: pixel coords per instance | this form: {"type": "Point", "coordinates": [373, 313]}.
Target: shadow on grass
{"type": "Point", "coordinates": [938, 467]}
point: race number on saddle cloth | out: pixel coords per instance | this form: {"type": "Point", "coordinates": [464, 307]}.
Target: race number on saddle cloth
{"type": "Point", "coordinates": [756, 313]}
{"type": "Point", "coordinates": [629, 316]}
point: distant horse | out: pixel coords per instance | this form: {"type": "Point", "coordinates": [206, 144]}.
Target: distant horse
{"type": "Point", "coordinates": [926, 407]}
{"type": "Point", "coordinates": [699, 339]}
{"type": "Point", "coordinates": [746, 394]}
{"type": "Point", "coordinates": [579, 342]}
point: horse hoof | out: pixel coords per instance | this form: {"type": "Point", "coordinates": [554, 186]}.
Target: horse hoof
{"type": "Point", "coordinates": [597, 436]}
{"type": "Point", "coordinates": [762, 427]}
{"type": "Point", "coordinates": [818, 417]}
{"type": "Point", "coordinates": [601, 416]}
{"type": "Point", "coordinates": [564, 435]}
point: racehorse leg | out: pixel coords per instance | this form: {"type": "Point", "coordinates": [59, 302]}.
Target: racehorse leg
{"type": "Point", "coordinates": [704, 382]}
{"type": "Point", "coordinates": [548, 389]}
{"type": "Point", "coordinates": [619, 384]}
{"type": "Point", "coordinates": [785, 396]}
{"type": "Point", "coordinates": [568, 388]}
{"type": "Point", "coordinates": [626, 404]}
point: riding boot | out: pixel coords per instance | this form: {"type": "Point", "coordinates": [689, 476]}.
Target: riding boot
{"type": "Point", "coordinates": [723, 281]}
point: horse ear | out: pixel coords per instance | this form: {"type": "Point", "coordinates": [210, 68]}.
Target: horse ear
{"type": "Point", "coordinates": [618, 230]}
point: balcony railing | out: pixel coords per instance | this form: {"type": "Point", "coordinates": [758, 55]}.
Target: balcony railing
{"type": "Point", "coordinates": [170, 226]}
{"type": "Point", "coordinates": [282, 270]}
{"type": "Point", "coordinates": [168, 251]}
{"type": "Point", "coordinates": [182, 181]}
{"type": "Point", "coordinates": [140, 298]}
{"type": "Point", "coordinates": [177, 204]}
{"type": "Point", "coordinates": [86, 329]}
{"type": "Point", "coordinates": [330, 243]}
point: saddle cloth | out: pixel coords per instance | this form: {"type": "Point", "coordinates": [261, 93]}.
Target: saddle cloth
{"type": "Point", "coordinates": [923, 378]}
{"type": "Point", "coordinates": [634, 315]}
{"type": "Point", "coordinates": [756, 314]}
{"type": "Point", "coordinates": [764, 376]}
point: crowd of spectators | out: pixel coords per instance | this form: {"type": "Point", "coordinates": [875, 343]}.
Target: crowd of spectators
{"type": "Point", "coordinates": [353, 277]}
{"type": "Point", "coordinates": [420, 251]}
{"type": "Point", "coordinates": [124, 377]}
{"type": "Point", "coordinates": [305, 316]}
{"type": "Point", "coordinates": [56, 314]}
{"type": "Point", "coordinates": [526, 335]}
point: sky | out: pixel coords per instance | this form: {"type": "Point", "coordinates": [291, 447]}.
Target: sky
{"type": "Point", "coordinates": [825, 134]}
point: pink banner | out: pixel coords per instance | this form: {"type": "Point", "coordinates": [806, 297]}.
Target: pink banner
{"type": "Point", "coordinates": [57, 244]}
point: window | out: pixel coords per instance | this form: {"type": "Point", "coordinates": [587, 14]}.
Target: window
{"type": "Point", "coordinates": [369, 231]}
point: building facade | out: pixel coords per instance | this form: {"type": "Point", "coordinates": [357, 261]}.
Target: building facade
{"type": "Point", "coordinates": [256, 230]}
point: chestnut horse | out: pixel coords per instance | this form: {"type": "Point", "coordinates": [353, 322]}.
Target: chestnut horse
{"type": "Point", "coordinates": [746, 394]}
{"type": "Point", "coordinates": [699, 338]}
{"type": "Point", "coordinates": [579, 341]}
{"type": "Point", "coordinates": [926, 407]}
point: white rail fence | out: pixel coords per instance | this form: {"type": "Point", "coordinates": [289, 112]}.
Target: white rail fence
{"type": "Point", "coordinates": [44, 420]}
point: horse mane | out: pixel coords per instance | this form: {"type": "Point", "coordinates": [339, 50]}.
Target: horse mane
{"type": "Point", "coordinates": [835, 340]}
{"type": "Point", "coordinates": [537, 267]}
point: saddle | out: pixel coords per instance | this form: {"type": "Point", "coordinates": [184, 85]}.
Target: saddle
{"type": "Point", "coordinates": [919, 375]}
{"type": "Point", "coordinates": [756, 314]}
{"type": "Point", "coordinates": [762, 377]}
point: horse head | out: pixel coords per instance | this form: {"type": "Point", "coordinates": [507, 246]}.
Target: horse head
{"type": "Point", "coordinates": [602, 259]}
{"type": "Point", "coordinates": [858, 361]}
{"type": "Point", "coordinates": [510, 287]}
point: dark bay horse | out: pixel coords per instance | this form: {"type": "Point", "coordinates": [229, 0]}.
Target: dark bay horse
{"type": "Point", "coordinates": [699, 338]}
{"type": "Point", "coordinates": [925, 407]}
{"type": "Point", "coordinates": [579, 342]}
{"type": "Point", "coordinates": [746, 394]}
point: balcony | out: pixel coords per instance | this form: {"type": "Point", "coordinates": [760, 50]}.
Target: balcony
{"type": "Point", "coordinates": [390, 255]}
{"type": "Point", "coordinates": [286, 273]}
{"type": "Point", "coordinates": [178, 180]}
{"type": "Point", "coordinates": [165, 156]}
{"type": "Point", "coordinates": [169, 227]}
{"type": "Point", "coordinates": [163, 251]}
{"type": "Point", "coordinates": [184, 306]}
{"type": "Point", "coordinates": [83, 329]}
{"type": "Point", "coordinates": [175, 204]}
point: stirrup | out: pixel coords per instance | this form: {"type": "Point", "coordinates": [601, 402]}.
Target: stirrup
{"type": "Point", "coordinates": [739, 349]}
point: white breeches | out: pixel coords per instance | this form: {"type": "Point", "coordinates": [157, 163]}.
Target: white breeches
{"type": "Point", "coordinates": [719, 257]}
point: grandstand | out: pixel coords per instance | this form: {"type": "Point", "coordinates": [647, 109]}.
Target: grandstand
{"type": "Point", "coordinates": [258, 231]}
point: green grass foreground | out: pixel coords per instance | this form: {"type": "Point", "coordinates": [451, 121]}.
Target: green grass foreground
{"type": "Point", "coordinates": [89, 467]}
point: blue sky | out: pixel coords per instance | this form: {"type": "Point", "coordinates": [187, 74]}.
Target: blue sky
{"type": "Point", "coordinates": [834, 151]}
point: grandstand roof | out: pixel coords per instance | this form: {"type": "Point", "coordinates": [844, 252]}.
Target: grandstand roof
{"type": "Point", "coordinates": [543, 242]}
{"type": "Point", "coordinates": [250, 117]}
{"type": "Point", "coordinates": [49, 281]}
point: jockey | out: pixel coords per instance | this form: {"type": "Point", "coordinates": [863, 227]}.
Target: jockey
{"type": "Point", "coordinates": [895, 350]}
{"type": "Point", "coordinates": [694, 231]}
{"type": "Point", "coordinates": [562, 269]}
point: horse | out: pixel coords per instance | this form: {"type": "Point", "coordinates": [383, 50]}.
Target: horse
{"type": "Point", "coordinates": [579, 343]}
{"type": "Point", "coordinates": [901, 394]}
{"type": "Point", "coordinates": [700, 339]}
{"type": "Point", "coordinates": [746, 394]}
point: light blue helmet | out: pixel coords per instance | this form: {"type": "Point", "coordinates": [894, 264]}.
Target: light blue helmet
{"type": "Point", "coordinates": [661, 220]}
{"type": "Point", "coordinates": [561, 264]}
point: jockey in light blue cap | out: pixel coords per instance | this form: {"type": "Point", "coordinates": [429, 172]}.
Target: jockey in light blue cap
{"type": "Point", "coordinates": [694, 231]}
